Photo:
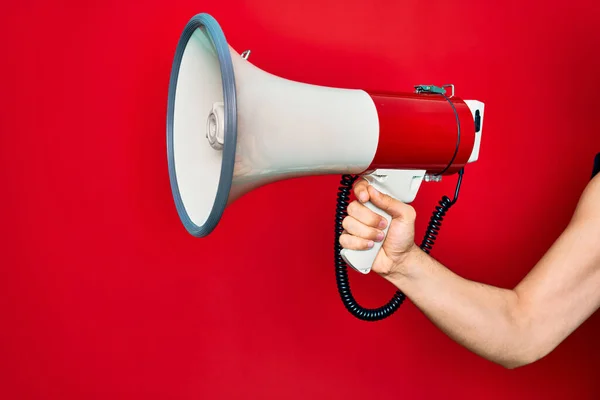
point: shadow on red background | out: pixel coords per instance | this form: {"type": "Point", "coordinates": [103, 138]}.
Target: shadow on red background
{"type": "Point", "coordinates": [104, 294]}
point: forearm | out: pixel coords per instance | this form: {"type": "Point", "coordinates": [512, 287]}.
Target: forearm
{"type": "Point", "coordinates": [483, 318]}
{"type": "Point", "coordinates": [510, 327]}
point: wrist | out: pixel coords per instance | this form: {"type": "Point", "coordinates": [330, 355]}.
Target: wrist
{"type": "Point", "coordinates": [407, 266]}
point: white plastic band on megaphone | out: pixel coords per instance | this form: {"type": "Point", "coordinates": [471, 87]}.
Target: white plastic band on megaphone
{"type": "Point", "coordinates": [200, 220]}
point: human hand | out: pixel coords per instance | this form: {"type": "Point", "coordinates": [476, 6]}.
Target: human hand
{"type": "Point", "coordinates": [362, 227]}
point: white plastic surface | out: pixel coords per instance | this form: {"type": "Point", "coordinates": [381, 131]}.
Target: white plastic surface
{"type": "Point", "coordinates": [197, 164]}
{"type": "Point", "coordinates": [402, 185]}
{"type": "Point", "coordinates": [288, 129]}
{"type": "Point", "coordinates": [215, 126]}
{"type": "Point", "coordinates": [475, 105]}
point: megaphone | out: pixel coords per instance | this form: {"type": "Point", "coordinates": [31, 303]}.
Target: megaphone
{"type": "Point", "coordinates": [232, 127]}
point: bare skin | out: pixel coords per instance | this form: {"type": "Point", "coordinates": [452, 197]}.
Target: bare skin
{"type": "Point", "coordinates": [509, 327]}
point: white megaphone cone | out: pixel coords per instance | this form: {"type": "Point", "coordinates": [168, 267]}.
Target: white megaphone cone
{"type": "Point", "coordinates": [232, 127]}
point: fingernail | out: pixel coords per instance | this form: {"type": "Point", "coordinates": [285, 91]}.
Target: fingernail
{"type": "Point", "coordinates": [380, 236]}
{"type": "Point", "coordinates": [363, 197]}
{"type": "Point", "coordinates": [382, 223]}
{"type": "Point", "coordinates": [370, 244]}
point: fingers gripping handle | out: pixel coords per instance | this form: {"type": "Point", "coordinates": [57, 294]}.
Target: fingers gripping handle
{"type": "Point", "coordinates": [362, 260]}
{"type": "Point", "coordinates": [401, 185]}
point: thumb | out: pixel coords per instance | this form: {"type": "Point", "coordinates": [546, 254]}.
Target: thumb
{"type": "Point", "coordinates": [395, 208]}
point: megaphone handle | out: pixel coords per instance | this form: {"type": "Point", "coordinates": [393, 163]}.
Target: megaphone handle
{"type": "Point", "coordinates": [362, 260]}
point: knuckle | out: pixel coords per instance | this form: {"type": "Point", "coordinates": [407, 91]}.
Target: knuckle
{"type": "Point", "coordinates": [366, 216]}
{"type": "Point", "coordinates": [409, 214]}
{"type": "Point", "coordinates": [363, 231]}
{"type": "Point", "coordinates": [372, 233]}
{"type": "Point", "coordinates": [352, 242]}
{"type": "Point", "coordinates": [352, 208]}
{"type": "Point", "coordinates": [374, 219]}
{"type": "Point", "coordinates": [361, 184]}
{"type": "Point", "coordinates": [387, 200]}
{"type": "Point", "coordinates": [361, 244]}
{"type": "Point", "coordinates": [344, 240]}
{"type": "Point", "coordinates": [346, 222]}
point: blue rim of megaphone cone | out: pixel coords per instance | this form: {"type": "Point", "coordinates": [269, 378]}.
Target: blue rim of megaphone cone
{"type": "Point", "coordinates": [229, 99]}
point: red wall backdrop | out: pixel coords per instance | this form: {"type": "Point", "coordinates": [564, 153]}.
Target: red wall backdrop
{"type": "Point", "coordinates": [104, 295]}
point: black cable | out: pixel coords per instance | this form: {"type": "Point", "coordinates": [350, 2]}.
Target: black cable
{"type": "Point", "coordinates": [435, 222]}
{"type": "Point", "coordinates": [341, 268]}
{"type": "Point", "coordinates": [433, 229]}
{"type": "Point", "coordinates": [457, 135]}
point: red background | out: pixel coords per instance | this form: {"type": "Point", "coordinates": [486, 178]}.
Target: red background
{"type": "Point", "coordinates": [103, 293]}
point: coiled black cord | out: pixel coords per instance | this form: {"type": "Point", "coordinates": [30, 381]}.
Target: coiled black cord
{"type": "Point", "coordinates": [457, 135]}
{"type": "Point", "coordinates": [435, 222]}
{"type": "Point", "coordinates": [341, 268]}
{"type": "Point", "coordinates": [433, 229]}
